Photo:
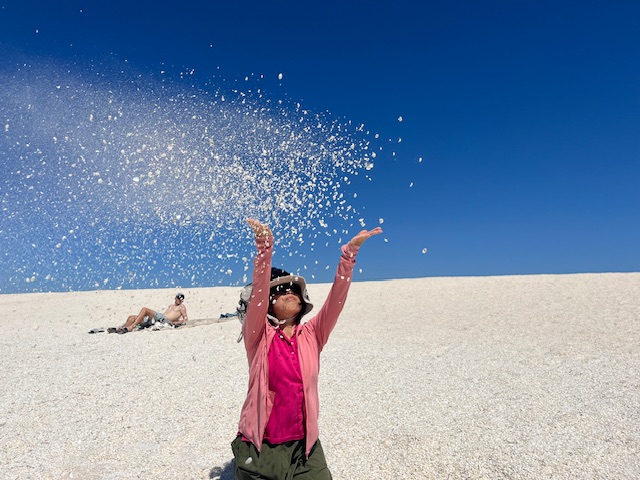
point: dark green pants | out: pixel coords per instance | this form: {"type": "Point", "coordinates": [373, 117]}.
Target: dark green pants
{"type": "Point", "coordinates": [279, 462]}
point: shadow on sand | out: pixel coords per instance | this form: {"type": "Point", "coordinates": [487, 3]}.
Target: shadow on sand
{"type": "Point", "coordinates": [222, 473]}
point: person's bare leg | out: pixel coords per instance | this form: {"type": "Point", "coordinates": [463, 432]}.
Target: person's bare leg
{"type": "Point", "coordinates": [132, 321]}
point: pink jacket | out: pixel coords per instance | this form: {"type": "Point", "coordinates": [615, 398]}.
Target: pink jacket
{"type": "Point", "coordinates": [312, 336]}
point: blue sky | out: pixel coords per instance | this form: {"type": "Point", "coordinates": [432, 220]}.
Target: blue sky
{"type": "Point", "coordinates": [517, 150]}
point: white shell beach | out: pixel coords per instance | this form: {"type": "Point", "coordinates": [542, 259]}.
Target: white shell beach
{"type": "Point", "coordinates": [507, 377]}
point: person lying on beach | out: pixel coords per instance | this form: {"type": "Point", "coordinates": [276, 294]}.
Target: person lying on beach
{"type": "Point", "coordinates": [175, 314]}
{"type": "Point", "coordinates": [277, 435]}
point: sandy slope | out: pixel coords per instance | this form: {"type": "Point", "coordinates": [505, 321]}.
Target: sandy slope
{"type": "Point", "coordinates": [522, 377]}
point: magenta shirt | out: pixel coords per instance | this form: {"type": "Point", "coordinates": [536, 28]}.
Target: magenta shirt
{"type": "Point", "coordinates": [286, 422]}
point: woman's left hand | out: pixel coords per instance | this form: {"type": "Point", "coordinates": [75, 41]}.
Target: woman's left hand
{"type": "Point", "coordinates": [360, 238]}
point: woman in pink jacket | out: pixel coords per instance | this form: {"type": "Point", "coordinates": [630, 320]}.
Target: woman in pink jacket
{"type": "Point", "coordinates": [278, 429]}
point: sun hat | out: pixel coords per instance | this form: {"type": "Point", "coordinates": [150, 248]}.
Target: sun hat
{"type": "Point", "coordinates": [281, 277]}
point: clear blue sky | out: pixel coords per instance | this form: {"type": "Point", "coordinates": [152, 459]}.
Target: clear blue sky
{"type": "Point", "coordinates": [526, 116]}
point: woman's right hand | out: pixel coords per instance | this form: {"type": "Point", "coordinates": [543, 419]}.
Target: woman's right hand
{"type": "Point", "coordinates": [260, 230]}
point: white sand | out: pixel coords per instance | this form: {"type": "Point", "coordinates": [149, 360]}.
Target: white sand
{"type": "Point", "coordinates": [521, 377]}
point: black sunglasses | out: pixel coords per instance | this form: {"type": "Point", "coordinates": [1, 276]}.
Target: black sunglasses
{"type": "Point", "coordinates": [285, 289]}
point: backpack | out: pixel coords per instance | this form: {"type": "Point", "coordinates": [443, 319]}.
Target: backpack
{"type": "Point", "coordinates": [243, 304]}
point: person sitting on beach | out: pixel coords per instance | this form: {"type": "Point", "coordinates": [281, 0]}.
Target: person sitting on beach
{"type": "Point", "coordinates": [175, 314]}
{"type": "Point", "coordinates": [277, 435]}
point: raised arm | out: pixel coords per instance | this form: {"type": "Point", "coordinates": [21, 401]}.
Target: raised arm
{"type": "Point", "coordinates": [258, 307]}
{"type": "Point", "coordinates": [327, 317]}
{"type": "Point", "coordinates": [184, 317]}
